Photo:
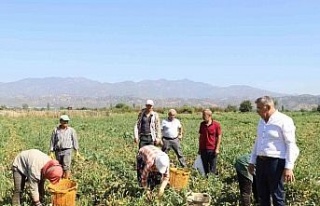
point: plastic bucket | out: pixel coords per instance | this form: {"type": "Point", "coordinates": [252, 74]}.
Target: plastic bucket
{"type": "Point", "coordinates": [63, 193]}
{"type": "Point", "coordinates": [179, 178]}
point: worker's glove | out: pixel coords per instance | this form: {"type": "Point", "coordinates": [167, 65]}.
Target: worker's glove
{"type": "Point", "coordinates": [78, 156]}
{"type": "Point", "coordinates": [52, 156]}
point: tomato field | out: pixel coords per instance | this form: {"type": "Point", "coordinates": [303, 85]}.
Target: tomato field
{"type": "Point", "coordinates": [106, 175]}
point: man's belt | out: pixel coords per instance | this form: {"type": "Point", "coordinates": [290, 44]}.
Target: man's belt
{"type": "Point", "coordinates": [169, 138]}
{"type": "Point", "coordinates": [266, 158]}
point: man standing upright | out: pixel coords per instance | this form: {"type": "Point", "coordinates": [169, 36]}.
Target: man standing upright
{"type": "Point", "coordinates": [64, 139]}
{"type": "Point", "coordinates": [274, 153]}
{"type": "Point", "coordinates": [172, 135]}
{"type": "Point", "coordinates": [209, 142]}
{"type": "Point", "coordinates": [147, 129]}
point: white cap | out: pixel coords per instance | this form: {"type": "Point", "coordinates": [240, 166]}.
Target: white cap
{"type": "Point", "coordinates": [64, 118]}
{"type": "Point", "coordinates": [162, 162]}
{"type": "Point", "coordinates": [149, 102]}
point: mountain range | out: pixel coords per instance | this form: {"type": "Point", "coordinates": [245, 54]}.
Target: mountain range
{"type": "Point", "coordinates": [81, 92]}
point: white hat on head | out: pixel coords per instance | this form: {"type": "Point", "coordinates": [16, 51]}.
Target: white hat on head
{"type": "Point", "coordinates": [64, 118]}
{"type": "Point", "coordinates": [149, 102]}
{"type": "Point", "coordinates": [162, 162]}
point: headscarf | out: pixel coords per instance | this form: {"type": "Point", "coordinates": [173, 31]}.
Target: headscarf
{"type": "Point", "coordinates": [52, 171]}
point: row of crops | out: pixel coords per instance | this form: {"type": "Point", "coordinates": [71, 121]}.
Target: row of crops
{"type": "Point", "coordinates": [106, 175]}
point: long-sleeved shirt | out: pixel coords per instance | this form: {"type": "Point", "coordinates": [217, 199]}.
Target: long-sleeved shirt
{"type": "Point", "coordinates": [155, 128]}
{"type": "Point", "coordinates": [276, 138]}
{"type": "Point", "coordinates": [241, 166]}
{"type": "Point", "coordinates": [149, 154]}
{"type": "Point", "coordinates": [29, 163]}
{"type": "Point", "coordinates": [64, 139]}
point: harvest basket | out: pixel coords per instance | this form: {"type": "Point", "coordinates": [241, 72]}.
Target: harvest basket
{"type": "Point", "coordinates": [63, 193]}
{"type": "Point", "coordinates": [179, 178]}
{"type": "Point", "coordinates": [198, 199]}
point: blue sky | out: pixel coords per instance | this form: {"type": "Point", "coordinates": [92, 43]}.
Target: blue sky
{"type": "Point", "coordinates": [272, 44]}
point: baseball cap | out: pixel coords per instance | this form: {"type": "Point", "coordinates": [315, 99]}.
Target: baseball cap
{"type": "Point", "coordinates": [64, 117]}
{"type": "Point", "coordinates": [149, 102]}
{"type": "Point", "coordinates": [162, 162]}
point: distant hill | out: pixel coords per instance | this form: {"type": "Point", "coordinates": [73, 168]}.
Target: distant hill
{"type": "Point", "coordinates": [82, 92]}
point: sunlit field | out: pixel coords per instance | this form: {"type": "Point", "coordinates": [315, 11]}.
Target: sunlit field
{"type": "Point", "coordinates": [107, 176]}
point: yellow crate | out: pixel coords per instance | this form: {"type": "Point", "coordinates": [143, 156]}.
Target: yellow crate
{"type": "Point", "coordinates": [63, 193]}
{"type": "Point", "coordinates": [179, 178]}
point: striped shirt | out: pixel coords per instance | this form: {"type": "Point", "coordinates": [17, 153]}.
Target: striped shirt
{"type": "Point", "coordinates": [149, 154]}
{"type": "Point", "coordinates": [64, 139]}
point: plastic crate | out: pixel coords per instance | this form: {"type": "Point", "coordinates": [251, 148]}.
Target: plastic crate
{"type": "Point", "coordinates": [179, 178]}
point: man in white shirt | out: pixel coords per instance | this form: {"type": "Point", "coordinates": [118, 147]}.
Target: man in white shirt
{"type": "Point", "coordinates": [171, 135]}
{"type": "Point", "coordinates": [274, 152]}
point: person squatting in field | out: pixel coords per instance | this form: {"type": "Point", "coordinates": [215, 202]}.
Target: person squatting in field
{"type": "Point", "coordinates": [247, 181]}
{"type": "Point", "coordinates": [209, 142]}
{"type": "Point", "coordinates": [34, 167]}
{"type": "Point", "coordinates": [147, 128]}
{"type": "Point", "coordinates": [63, 140]}
{"type": "Point", "coordinates": [152, 168]}
{"type": "Point", "coordinates": [274, 152]}
{"type": "Point", "coordinates": [172, 135]}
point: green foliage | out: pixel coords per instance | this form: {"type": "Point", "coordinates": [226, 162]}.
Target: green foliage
{"type": "Point", "coordinates": [121, 106]}
{"type": "Point", "coordinates": [245, 106]}
{"type": "Point", "coordinates": [25, 106]}
{"type": "Point", "coordinates": [107, 174]}
{"type": "Point", "coordinates": [318, 108]}
{"type": "Point", "coordinates": [216, 109]}
{"type": "Point", "coordinates": [231, 108]}
{"type": "Point", "coordinates": [186, 110]}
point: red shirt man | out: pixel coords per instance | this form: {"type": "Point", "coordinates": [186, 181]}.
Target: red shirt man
{"type": "Point", "coordinates": [209, 141]}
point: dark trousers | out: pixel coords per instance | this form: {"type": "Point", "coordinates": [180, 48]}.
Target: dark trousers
{"type": "Point", "coordinates": [145, 140]}
{"type": "Point", "coordinates": [175, 145]}
{"type": "Point", "coordinates": [269, 181]}
{"type": "Point", "coordinates": [19, 181]}
{"type": "Point", "coordinates": [246, 188]}
{"type": "Point", "coordinates": [209, 161]}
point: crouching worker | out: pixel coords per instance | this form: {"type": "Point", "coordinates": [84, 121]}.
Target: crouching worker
{"type": "Point", "coordinates": [247, 181]}
{"type": "Point", "coordinates": [152, 168]}
{"type": "Point", "coordinates": [34, 167]}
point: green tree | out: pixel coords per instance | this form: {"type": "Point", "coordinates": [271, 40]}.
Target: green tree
{"type": "Point", "coordinates": [121, 106]}
{"type": "Point", "coordinates": [25, 106]}
{"type": "Point", "coordinates": [231, 108]}
{"type": "Point", "coordinates": [318, 108]}
{"type": "Point", "coordinates": [245, 106]}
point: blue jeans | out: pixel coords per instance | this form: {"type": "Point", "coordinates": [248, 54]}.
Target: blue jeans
{"type": "Point", "coordinates": [269, 181]}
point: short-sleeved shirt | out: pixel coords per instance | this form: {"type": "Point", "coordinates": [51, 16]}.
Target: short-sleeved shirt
{"type": "Point", "coordinates": [169, 128]}
{"type": "Point", "coordinates": [209, 135]}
